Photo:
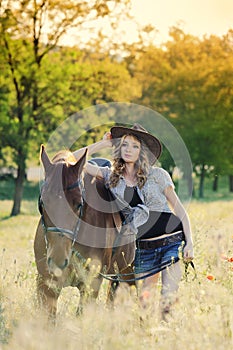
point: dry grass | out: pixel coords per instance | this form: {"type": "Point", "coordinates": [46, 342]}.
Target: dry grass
{"type": "Point", "coordinates": [202, 319]}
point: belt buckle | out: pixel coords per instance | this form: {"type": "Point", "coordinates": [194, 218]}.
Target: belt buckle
{"type": "Point", "coordinates": [164, 241]}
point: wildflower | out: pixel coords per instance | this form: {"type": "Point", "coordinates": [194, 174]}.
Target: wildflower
{"type": "Point", "coordinates": [224, 257]}
{"type": "Point", "coordinates": [144, 298]}
{"type": "Point", "coordinates": [145, 294]}
{"type": "Point", "coordinates": [210, 277]}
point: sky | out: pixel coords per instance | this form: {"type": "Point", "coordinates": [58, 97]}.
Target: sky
{"type": "Point", "coordinates": [198, 17]}
{"type": "Point", "coordinates": [195, 17]}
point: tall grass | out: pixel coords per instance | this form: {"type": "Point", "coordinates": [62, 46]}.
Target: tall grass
{"type": "Point", "coordinates": [202, 318]}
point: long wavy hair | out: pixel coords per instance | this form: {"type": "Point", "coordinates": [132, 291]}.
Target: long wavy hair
{"type": "Point", "coordinates": [142, 165]}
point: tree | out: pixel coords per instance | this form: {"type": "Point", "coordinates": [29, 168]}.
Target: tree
{"type": "Point", "coordinates": [203, 100]}
{"type": "Point", "coordinates": [30, 30]}
{"type": "Point", "coordinates": [189, 80]}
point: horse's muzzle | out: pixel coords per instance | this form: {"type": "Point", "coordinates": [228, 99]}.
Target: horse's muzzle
{"type": "Point", "coordinates": [53, 266]}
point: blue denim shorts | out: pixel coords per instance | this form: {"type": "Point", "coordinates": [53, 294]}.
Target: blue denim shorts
{"type": "Point", "coordinates": [154, 260]}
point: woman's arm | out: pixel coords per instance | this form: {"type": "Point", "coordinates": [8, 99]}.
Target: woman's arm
{"type": "Point", "coordinates": [93, 148]}
{"type": "Point", "coordinates": [179, 210]}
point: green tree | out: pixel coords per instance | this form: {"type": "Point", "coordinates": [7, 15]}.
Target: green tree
{"type": "Point", "coordinates": [203, 102]}
{"type": "Point", "coordinates": [29, 32]}
{"type": "Point", "coordinates": [191, 84]}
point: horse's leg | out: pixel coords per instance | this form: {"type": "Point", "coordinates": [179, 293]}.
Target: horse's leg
{"type": "Point", "coordinates": [88, 293]}
{"type": "Point", "coordinates": [128, 276]}
{"type": "Point", "coordinates": [82, 292]}
{"type": "Point", "coordinates": [112, 288]}
{"type": "Point", "coordinates": [95, 287]}
{"type": "Point", "coordinates": [122, 258]}
{"type": "Point", "coordinates": [47, 297]}
{"type": "Point", "coordinates": [83, 296]}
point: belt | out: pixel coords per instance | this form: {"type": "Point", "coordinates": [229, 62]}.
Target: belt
{"type": "Point", "coordinates": [157, 243]}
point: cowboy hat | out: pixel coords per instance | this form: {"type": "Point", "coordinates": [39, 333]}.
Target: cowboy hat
{"type": "Point", "coordinates": [137, 130]}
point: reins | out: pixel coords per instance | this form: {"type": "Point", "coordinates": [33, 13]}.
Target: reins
{"type": "Point", "coordinates": [117, 277]}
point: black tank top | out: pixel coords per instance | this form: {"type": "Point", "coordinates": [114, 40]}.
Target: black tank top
{"type": "Point", "coordinates": [158, 223]}
{"type": "Point", "coordinates": [131, 196]}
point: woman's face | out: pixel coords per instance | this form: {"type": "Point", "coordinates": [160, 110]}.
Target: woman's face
{"type": "Point", "coordinates": [130, 149]}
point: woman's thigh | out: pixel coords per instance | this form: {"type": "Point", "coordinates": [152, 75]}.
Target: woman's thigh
{"type": "Point", "coordinates": [171, 277]}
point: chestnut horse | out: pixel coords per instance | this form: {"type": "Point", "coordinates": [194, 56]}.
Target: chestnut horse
{"type": "Point", "coordinates": [77, 231]}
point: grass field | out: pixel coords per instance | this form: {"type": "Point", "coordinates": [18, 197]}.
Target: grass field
{"type": "Point", "coordinates": [202, 318]}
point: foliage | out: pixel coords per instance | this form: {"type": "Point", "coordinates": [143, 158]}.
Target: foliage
{"type": "Point", "coordinates": [35, 87]}
{"type": "Point", "coordinates": [189, 80]}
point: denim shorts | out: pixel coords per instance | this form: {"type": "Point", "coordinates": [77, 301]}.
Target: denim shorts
{"type": "Point", "coordinates": [154, 260]}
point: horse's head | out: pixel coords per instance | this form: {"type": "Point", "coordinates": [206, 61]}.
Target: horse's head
{"type": "Point", "coordinates": [61, 206]}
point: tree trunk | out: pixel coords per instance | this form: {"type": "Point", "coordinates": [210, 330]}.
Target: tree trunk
{"type": "Point", "coordinates": [231, 183]}
{"type": "Point", "coordinates": [201, 185]}
{"type": "Point", "coordinates": [18, 195]}
{"type": "Point", "coordinates": [191, 190]}
{"type": "Point", "coordinates": [215, 183]}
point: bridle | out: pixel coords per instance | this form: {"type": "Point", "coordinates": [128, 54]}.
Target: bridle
{"type": "Point", "coordinates": [71, 234]}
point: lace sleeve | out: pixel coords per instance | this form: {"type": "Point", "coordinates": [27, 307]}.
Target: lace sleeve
{"type": "Point", "coordinates": [163, 178]}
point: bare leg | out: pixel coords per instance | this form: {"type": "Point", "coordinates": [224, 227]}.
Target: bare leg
{"type": "Point", "coordinates": [148, 288]}
{"type": "Point", "coordinates": [171, 277]}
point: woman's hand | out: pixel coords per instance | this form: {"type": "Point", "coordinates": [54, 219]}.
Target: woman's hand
{"type": "Point", "coordinates": [188, 253]}
{"type": "Point", "coordinates": [108, 138]}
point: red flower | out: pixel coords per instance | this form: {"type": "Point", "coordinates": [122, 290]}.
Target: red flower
{"type": "Point", "coordinates": [210, 277]}
{"type": "Point", "coordinates": [224, 257]}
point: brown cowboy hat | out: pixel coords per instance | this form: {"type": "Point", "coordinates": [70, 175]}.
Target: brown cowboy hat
{"type": "Point", "coordinates": [137, 130]}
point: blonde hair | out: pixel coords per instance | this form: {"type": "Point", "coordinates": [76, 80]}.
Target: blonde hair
{"type": "Point", "coordinates": [141, 166]}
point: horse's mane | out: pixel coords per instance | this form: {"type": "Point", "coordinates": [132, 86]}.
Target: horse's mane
{"type": "Point", "coordinates": [61, 162]}
{"type": "Point", "coordinates": [64, 156]}
{"type": "Point", "coordinates": [95, 186]}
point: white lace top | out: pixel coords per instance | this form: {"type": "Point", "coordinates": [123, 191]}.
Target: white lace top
{"type": "Point", "coordinates": [153, 190]}
{"type": "Point", "coordinates": [151, 194]}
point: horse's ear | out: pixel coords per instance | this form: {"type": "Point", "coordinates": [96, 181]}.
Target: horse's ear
{"type": "Point", "coordinates": [78, 167]}
{"type": "Point", "coordinates": [45, 159]}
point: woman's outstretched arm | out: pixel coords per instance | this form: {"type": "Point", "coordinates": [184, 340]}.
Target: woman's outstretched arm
{"type": "Point", "coordinates": [93, 148]}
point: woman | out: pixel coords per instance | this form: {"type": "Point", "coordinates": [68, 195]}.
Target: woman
{"type": "Point", "coordinates": [150, 192]}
